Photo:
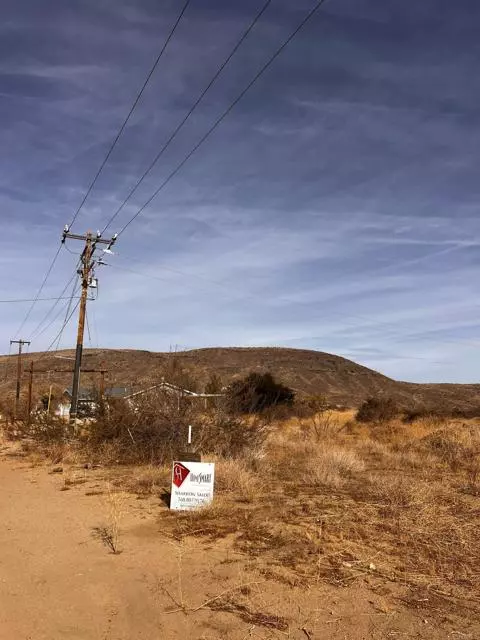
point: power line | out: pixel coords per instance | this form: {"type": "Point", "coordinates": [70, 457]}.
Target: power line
{"type": "Point", "coordinates": [39, 292]}
{"type": "Point", "coordinates": [60, 333]}
{"type": "Point", "coordinates": [366, 319]}
{"type": "Point", "coordinates": [225, 113]}
{"type": "Point", "coordinates": [137, 273]}
{"type": "Point", "coordinates": [189, 113]}
{"type": "Point", "coordinates": [60, 297]}
{"type": "Point", "coordinates": [74, 253]}
{"type": "Point", "coordinates": [227, 290]}
{"type": "Point", "coordinates": [24, 300]}
{"type": "Point", "coordinates": [75, 288]}
{"type": "Point", "coordinates": [132, 109]}
{"type": "Point", "coordinates": [55, 317]}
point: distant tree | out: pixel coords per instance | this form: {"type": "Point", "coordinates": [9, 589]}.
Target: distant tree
{"type": "Point", "coordinates": [377, 410]}
{"type": "Point", "coordinates": [255, 392]}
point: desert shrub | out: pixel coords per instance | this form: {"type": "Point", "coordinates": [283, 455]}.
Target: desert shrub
{"type": "Point", "coordinates": [302, 461]}
{"type": "Point", "coordinates": [307, 406]}
{"type": "Point", "coordinates": [413, 414]}
{"type": "Point", "coordinates": [42, 428]}
{"type": "Point", "coordinates": [214, 384]}
{"type": "Point", "coordinates": [322, 426]}
{"type": "Point", "coordinates": [154, 431]}
{"type": "Point", "coordinates": [456, 446]}
{"type": "Point", "coordinates": [257, 392]}
{"type": "Point", "coordinates": [149, 431]}
{"type": "Point", "coordinates": [332, 466]}
{"type": "Point", "coordinates": [377, 410]}
{"type": "Point", "coordinates": [48, 428]}
{"type": "Point", "coordinates": [235, 476]}
{"type": "Point", "coordinates": [230, 435]}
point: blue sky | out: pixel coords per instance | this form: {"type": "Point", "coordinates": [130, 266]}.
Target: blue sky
{"type": "Point", "coordinates": [336, 208]}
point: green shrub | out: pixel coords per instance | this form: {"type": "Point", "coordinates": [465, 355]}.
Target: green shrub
{"type": "Point", "coordinates": [257, 392]}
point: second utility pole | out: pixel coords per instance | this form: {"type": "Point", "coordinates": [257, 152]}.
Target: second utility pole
{"type": "Point", "coordinates": [30, 389]}
{"type": "Point", "coordinates": [19, 372]}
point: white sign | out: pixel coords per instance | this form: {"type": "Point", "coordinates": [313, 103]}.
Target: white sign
{"type": "Point", "coordinates": [192, 484]}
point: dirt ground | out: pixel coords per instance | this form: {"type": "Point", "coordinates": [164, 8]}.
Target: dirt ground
{"type": "Point", "coordinates": [58, 581]}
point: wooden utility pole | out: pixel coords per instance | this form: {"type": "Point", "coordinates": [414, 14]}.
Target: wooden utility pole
{"type": "Point", "coordinates": [49, 393]}
{"type": "Point", "coordinates": [30, 388]}
{"type": "Point", "coordinates": [86, 275]}
{"type": "Point", "coordinates": [103, 371]}
{"type": "Point", "coordinates": [19, 373]}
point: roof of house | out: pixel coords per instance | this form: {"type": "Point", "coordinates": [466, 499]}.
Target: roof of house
{"type": "Point", "coordinates": [117, 392]}
{"type": "Point", "coordinates": [173, 388]}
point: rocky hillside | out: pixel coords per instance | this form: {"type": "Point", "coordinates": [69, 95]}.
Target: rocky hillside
{"type": "Point", "coordinates": [309, 372]}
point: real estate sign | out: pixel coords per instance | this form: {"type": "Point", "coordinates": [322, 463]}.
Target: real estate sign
{"type": "Point", "coordinates": [192, 484]}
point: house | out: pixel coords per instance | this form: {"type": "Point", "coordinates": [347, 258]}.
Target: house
{"type": "Point", "coordinates": [87, 400]}
{"type": "Point", "coordinates": [173, 390]}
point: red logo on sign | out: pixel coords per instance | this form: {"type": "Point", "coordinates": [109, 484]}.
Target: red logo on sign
{"type": "Point", "coordinates": [180, 472]}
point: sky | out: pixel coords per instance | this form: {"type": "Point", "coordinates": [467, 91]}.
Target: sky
{"type": "Point", "coordinates": [335, 207]}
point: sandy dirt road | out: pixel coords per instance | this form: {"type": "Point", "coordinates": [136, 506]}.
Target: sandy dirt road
{"type": "Point", "coordinates": [57, 581]}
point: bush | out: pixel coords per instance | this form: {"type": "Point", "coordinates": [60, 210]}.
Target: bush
{"type": "Point", "coordinates": [214, 384]}
{"type": "Point", "coordinates": [47, 429]}
{"type": "Point", "coordinates": [155, 429]}
{"type": "Point", "coordinates": [149, 431]}
{"type": "Point", "coordinates": [256, 392]}
{"type": "Point", "coordinates": [377, 410]}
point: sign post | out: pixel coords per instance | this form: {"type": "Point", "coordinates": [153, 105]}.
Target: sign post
{"type": "Point", "coordinates": [192, 485]}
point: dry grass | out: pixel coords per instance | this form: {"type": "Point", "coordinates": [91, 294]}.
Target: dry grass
{"type": "Point", "coordinates": [145, 480]}
{"type": "Point", "coordinates": [335, 505]}
{"type": "Point", "coordinates": [109, 532]}
{"type": "Point", "coordinates": [323, 498]}
{"type": "Point", "coordinates": [236, 478]}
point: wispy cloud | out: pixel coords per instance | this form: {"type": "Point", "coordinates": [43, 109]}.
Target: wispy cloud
{"type": "Point", "coordinates": [335, 208]}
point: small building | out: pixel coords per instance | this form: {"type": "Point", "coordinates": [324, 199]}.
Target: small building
{"type": "Point", "coordinates": [88, 400]}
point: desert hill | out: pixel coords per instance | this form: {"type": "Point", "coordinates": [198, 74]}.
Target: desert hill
{"type": "Point", "coordinates": [309, 372]}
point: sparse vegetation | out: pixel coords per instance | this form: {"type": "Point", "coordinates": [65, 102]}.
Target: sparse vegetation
{"type": "Point", "coordinates": [377, 410]}
{"type": "Point", "coordinates": [341, 504]}
{"type": "Point", "coordinates": [315, 497]}
{"type": "Point", "coordinates": [109, 532]}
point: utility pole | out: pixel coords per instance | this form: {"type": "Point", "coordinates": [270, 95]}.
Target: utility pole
{"type": "Point", "coordinates": [86, 275]}
{"type": "Point", "coordinates": [19, 373]}
{"type": "Point", "coordinates": [49, 393]}
{"type": "Point", "coordinates": [30, 388]}
{"type": "Point", "coordinates": [103, 371]}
